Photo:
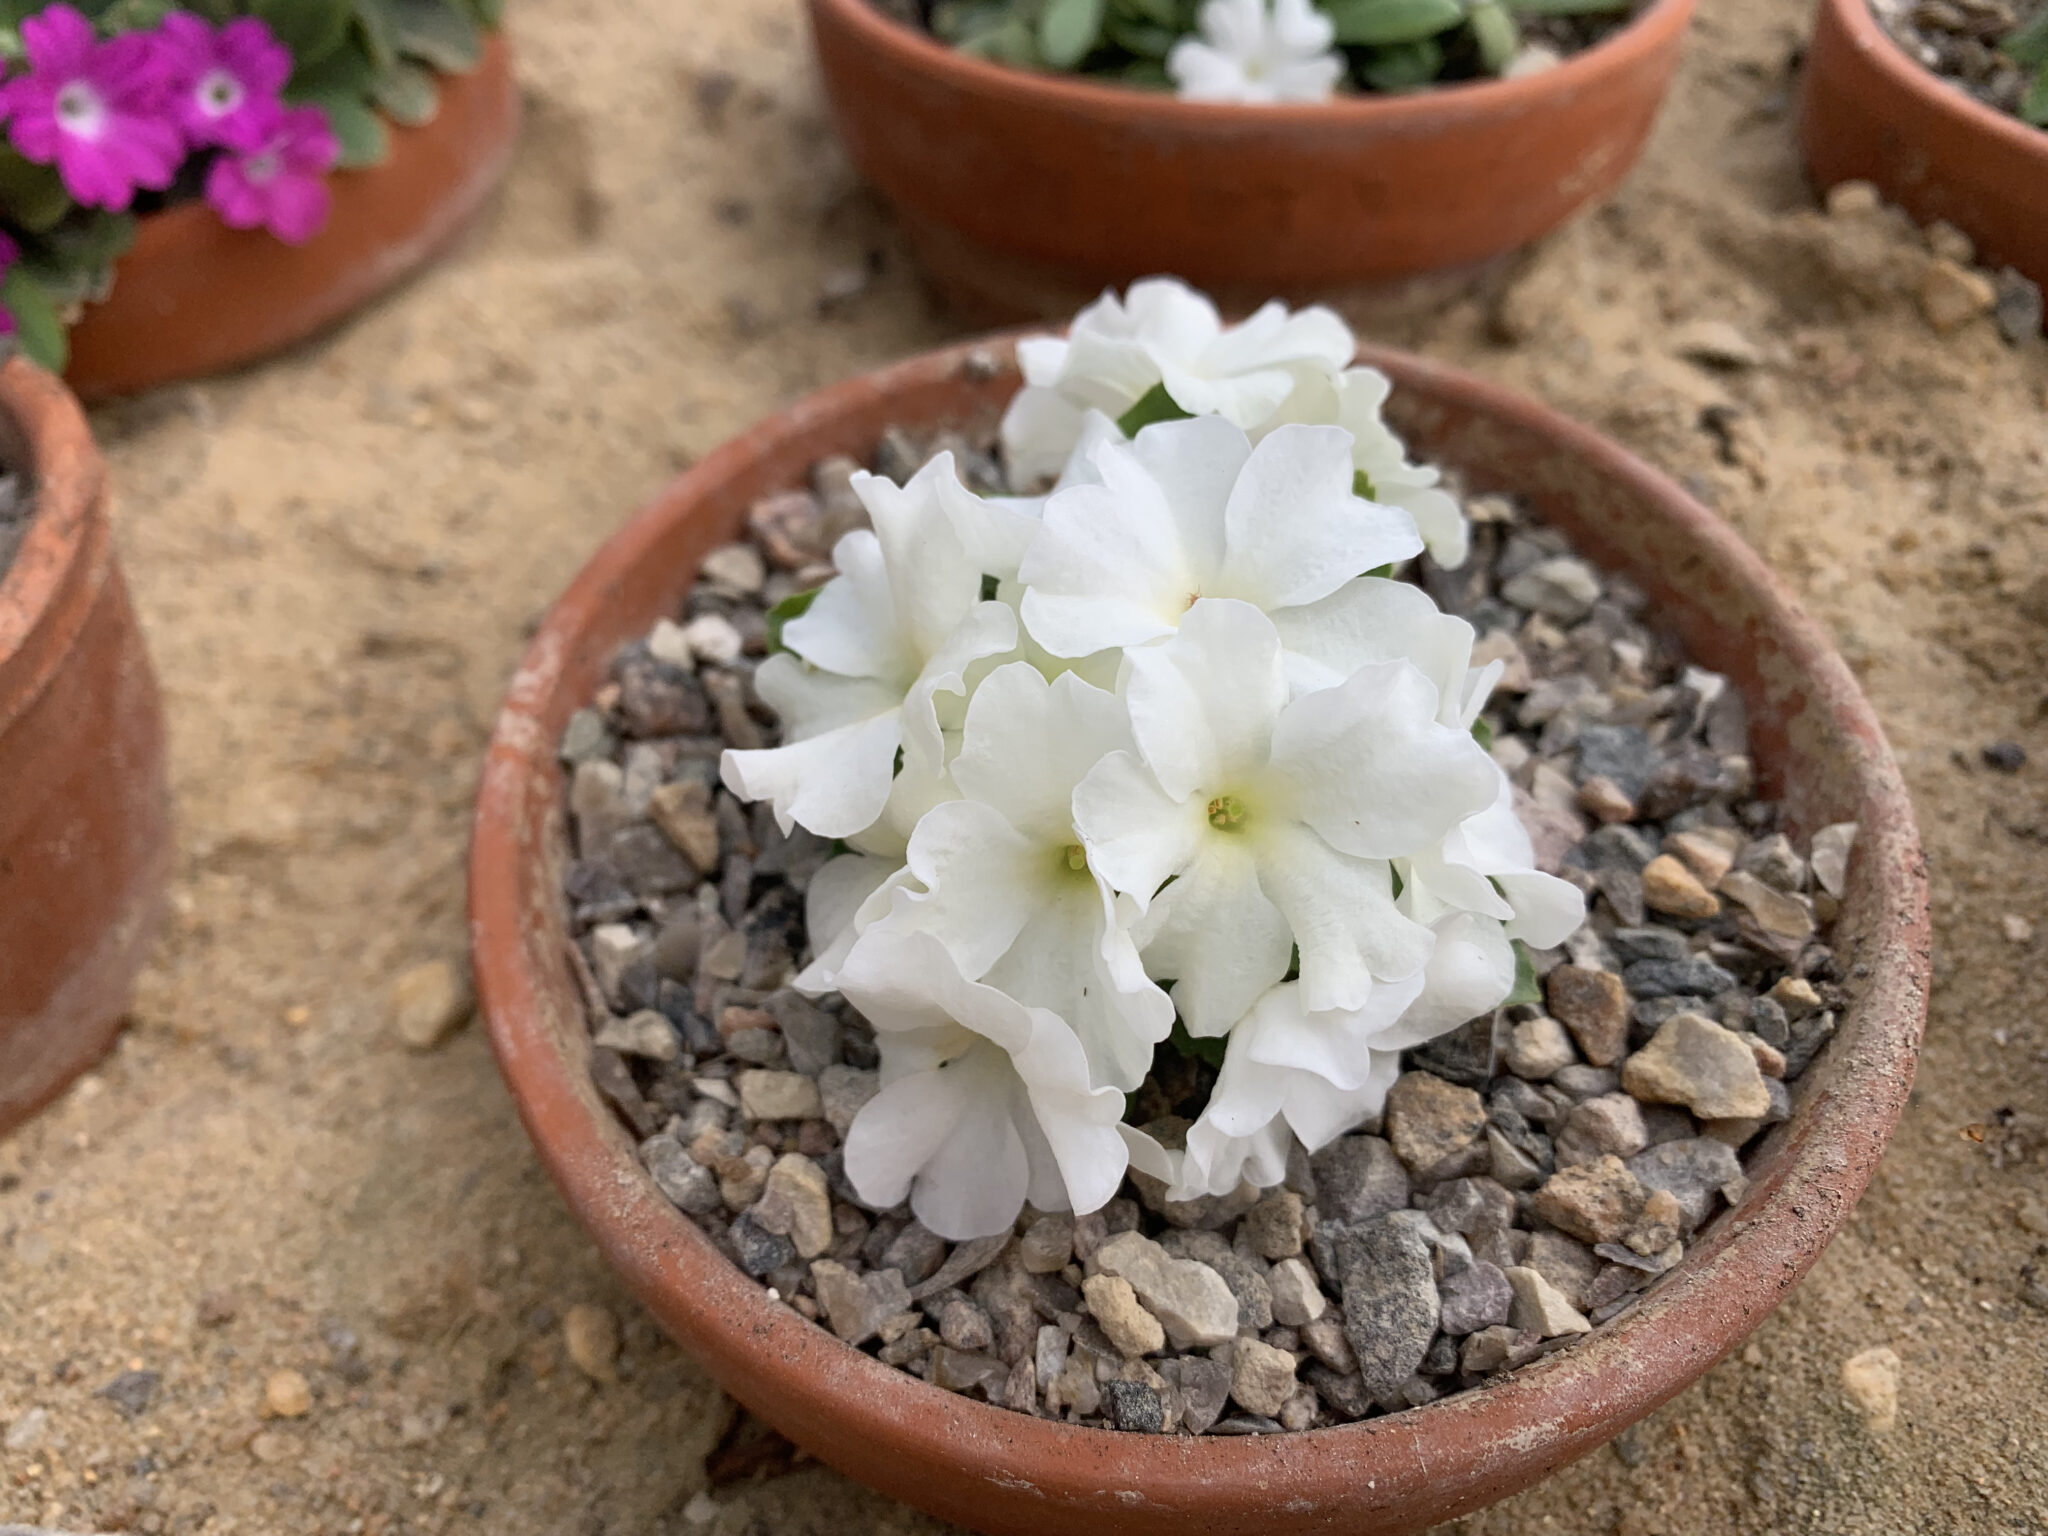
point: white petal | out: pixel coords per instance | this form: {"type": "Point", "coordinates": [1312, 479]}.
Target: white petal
{"type": "Point", "coordinates": [897, 1132]}
{"type": "Point", "coordinates": [1170, 319]}
{"type": "Point", "coordinates": [1040, 428]}
{"type": "Point", "coordinates": [1319, 1113]}
{"type": "Point", "coordinates": [1107, 566]}
{"type": "Point", "coordinates": [1471, 972]}
{"type": "Point", "coordinates": [1369, 767]}
{"type": "Point", "coordinates": [1204, 704]}
{"type": "Point", "coordinates": [1334, 1047]}
{"type": "Point", "coordinates": [981, 884]}
{"type": "Point", "coordinates": [1136, 837]}
{"type": "Point", "coordinates": [1078, 1119]}
{"type": "Point", "coordinates": [835, 898]}
{"type": "Point", "coordinates": [834, 784]}
{"type": "Point", "coordinates": [1041, 359]}
{"type": "Point", "coordinates": [1377, 619]}
{"type": "Point", "coordinates": [1438, 518]}
{"type": "Point", "coordinates": [1547, 910]}
{"type": "Point", "coordinates": [1029, 743]}
{"type": "Point", "coordinates": [975, 1184]}
{"type": "Point", "coordinates": [933, 578]}
{"type": "Point", "coordinates": [1295, 532]}
{"type": "Point", "coordinates": [1195, 463]}
{"type": "Point", "coordinates": [1215, 934]}
{"type": "Point", "coordinates": [1343, 917]}
{"type": "Point", "coordinates": [850, 627]}
{"type": "Point", "coordinates": [1245, 399]}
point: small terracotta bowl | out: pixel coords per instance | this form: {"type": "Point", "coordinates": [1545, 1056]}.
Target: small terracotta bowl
{"type": "Point", "coordinates": [85, 815]}
{"type": "Point", "coordinates": [1870, 112]}
{"type": "Point", "coordinates": [1818, 747]}
{"type": "Point", "coordinates": [1025, 192]}
{"type": "Point", "coordinates": [193, 297]}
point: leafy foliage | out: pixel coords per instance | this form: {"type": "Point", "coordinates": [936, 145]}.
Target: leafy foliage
{"type": "Point", "coordinates": [1389, 45]}
{"type": "Point", "coordinates": [2027, 46]}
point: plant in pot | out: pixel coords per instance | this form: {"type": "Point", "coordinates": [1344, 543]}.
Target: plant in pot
{"type": "Point", "coordinates": [1061, 960]}
{"type": "Point", "coordinates": [85, 830]}
{"type": "Point", "coordinates": [1040, 149]}
{"type": "Point", "coordinates": [186, 187]}
{"type": "Point", "coordinates": [1944, 110]}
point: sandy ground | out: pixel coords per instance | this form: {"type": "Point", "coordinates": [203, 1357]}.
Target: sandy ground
{"type": "Point", "coordinates": [336, 557]}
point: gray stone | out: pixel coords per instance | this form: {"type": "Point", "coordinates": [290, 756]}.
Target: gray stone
{"type": "Point", "coordinates": [1344, 1394]}
{"type": "Point", "coordinates": [1561, 587]}
{"type": "Point", "coordinates": [1477, 1297]}
{"type": "Point", "coordinates": [1204, 1387]}
{"type": "Point", "coordinates": [1650, 943]}
{"type": "Point", "coordinates": [1047, 1244]}
{"type": "Point", "coordinates": [1808, 1036]}
{"type": "Point", "coordinates": [961, 1265]}
{"type": "Point", "coordinates": [1621, 754]}
{"type": "Point", "coordinates": [758, 1250]}
{"type": "Point", "coordinates": [1566, 1263]}
{"type": "Point", "coordinates": [1695, 975]}
{"type": "Point", "coordinates": [1693, 1170]}
{"type": "Point", "coordinates": [843, 1092]}
{"type": "Point", "coordinates": [961, 1323]}
{"type": "Point", "coordinates": [856, 1304]}
{"type": "Point", "coordinates": [1358, 1178]}
{"type": "Point", "coordinates": [1470, 1205]}
{"type": "Point", "coordinates": [645, 1034]}
{"type": "Point", "coordinates": [960, 1370]}
{"type": "Point", "coordinates": [809, 1033]}
{"type": "Point", "coordinates": [916, 1253]}
{"type": "Point", "coordinates": [132, 1391]}
{"type": "Point", "coordinates": [1390, 1303]}
{"type": "Point", "coordinates": [1134, 1406]}
{"type": "Point", "coordinates": [1498, 1349]}
{"type": "Point", "coordinates": [1245, 1276]}
{"type": "Point", "coordinates": [1593, 1005]}
{"type": "Point", "coordinates": [688, 1186]}
{"type": "Point", "coordinates": [1611, 1123]}
{"type": "Point", "coordinates": [1297, 1298]}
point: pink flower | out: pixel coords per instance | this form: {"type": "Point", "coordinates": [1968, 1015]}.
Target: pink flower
{"type": "Point", "coordinates": [279, 184]}
{"type": "Point", "coordinates": [226, 83]}
{"type": "Point", "coordinates": [98, 110]}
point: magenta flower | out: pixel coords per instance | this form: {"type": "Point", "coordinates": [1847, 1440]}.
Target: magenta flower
{"type": "Point", "coordinates": [98, 110]}
{"type": "Point", "coordinates": [225, 83]}
{"type": "Point", "coordinates": [279, 184]}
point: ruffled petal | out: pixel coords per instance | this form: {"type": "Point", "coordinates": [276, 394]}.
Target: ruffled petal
{"type": "Point", "coordinates": [1343, 917]}
{"type": "Point", "coordinates": [1136, 836]}
{"type": "Point", "coordinates": [1204, 704]}
{"type": "Point", "coordinates": [1295, 531]}
{"type": "Point", "coordinates": [1217, 937]}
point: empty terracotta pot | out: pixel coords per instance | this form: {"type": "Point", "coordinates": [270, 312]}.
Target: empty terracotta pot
{"type": "Point", "coordinates": [1817, 745]}
{"type": "Point", "coordinates": [1024, 193]}
{"type": "Point", "coordinates": [193, 297]}
{"type": "Point", "coordinates": [1870, 112]}
{"type": "Point", "coordinates": [85, 818]}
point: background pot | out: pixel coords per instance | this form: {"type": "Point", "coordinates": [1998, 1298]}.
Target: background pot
{"type": "Point", "coordinates": [1027, 193]}
{"type": "Point", "coordinates": [1817, 745]}
{"type": "Point", "coordinates": [194, 297]}
{"type": "Point", "coordinates": [1869, 112]}
{"type": "Point", "coordinates": [85, 820]}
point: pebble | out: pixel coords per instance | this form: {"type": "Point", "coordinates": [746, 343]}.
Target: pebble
{"type": "Point", "coordinates": [1470, 1206]}
{"type": "Point", "coordinates": [1274, 1226]}
{"type": "Point", "coordinates": [857, 1304]}
{"type": "Point", "coordinates": [1132, 1405]}
{"type": "Point", "coordinates": [132, 1391]}
{"type": "Point", "coordinates": [1951, 294]}
{"type": "Point", "coordinates": [1261, 1377]}
{"type": "Point", "coordinates": [1693, 1170]}
{"type": "Point", "coordinates": [796, 1204]}
{"type": "Point", "coordinates": [1671, 888]}
{"type": "Point", "coordinates": [1605, 801]}
{"type": "Point", "coordinates": [1478, 1296]}
{"type": "Point", "coordinates": [961, 1265]}
{"type": "Point", "coordinates": [1830, 856]}
{"type": "Point", "coordinates": [843, 1092]}
{"type": "Point", "coordinates": [430, 1003]}
{"type": "Point", "coordinates": [1717, 344]}
{"type": "Point", "coordinates": [1114, 1304]}
{"type": "Point", "coordinates": [1562, 587]}
{"type": "Point", "coordinates": [962, 1322]}
{"type": "Point", "coordinates": [1431, 1122]}
{"type": "Point", "coordinates": [962, 1370]}
{"type": "Point", "coordinates": [287, 1395]}
{"type": "Point", "coordinates": [1390, 1303]}
{"type": "Point", "coordinates": [1596, 1202]}
{"type": "Point", "coordinates": [1870, 1380]}
{"type": "Point", "coordinates": [26, 1432]}
{"type": "Point", "coordinates": [1358, 1178]}
{"type": "Point", "coordinates": [590, 1334]}
{"type": "Point", "coordinates": [714, 640]}
{"type": "Point", "coordinates": [1538, 1047]}
{"type": "Point", "coordinates": [2019, 310]}
{"type": "Point", "coordinates": [1297, 1297]}
{"type": "Point", "coordinates": [1709, 852]}
{"type": "Point", "coordinates": [1775, 911]}
{"type": "Point", "coordinates": [1497, 1349]}
{"type": "Point", "coordinates": [1204, 1387]}
{"type": "Point", "coordinates": [1593, 1005]}
{"type": "Point", "coordinates": [646, 1033]}
{"type": "Point", "coordinates": [1047, 1245]}
{"type": "Point", "coordinates": [736, 567]}
{"type": "Point", "coordinates": [1695, 1062]}
{"type": "Point", "coordinates": [1190, 1299]}
{"type": "Point", "coordinates": [1609, 1123]}
{"type": "Point", "coordinates": [682, 810]}
{"type": "Point", "coordinates": [689, 1185]}
{"type": "Point", "coordinates": [1540, 1308]}
{"type": "Point", "coordinates": [779, 1096]}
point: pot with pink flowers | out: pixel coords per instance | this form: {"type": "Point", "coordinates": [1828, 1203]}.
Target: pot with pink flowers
{"type": "Point", "coordinates": [185, 188]}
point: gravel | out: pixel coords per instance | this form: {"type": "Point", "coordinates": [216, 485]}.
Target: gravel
{"type": "Point", "coordinates": [1531, 1174]}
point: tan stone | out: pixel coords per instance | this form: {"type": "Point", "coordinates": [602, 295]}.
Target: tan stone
{"type": "Point", "coordinates": [430, 1003]}
{"type": "Point", "coordinates": [1261, 1377]}
{"type": "Point", "coordinates": [796, 1203]}
{"type": "Point", "coordinates": [683, 812]}
{"type": "Point", "coordinates": [1124, 1320]}
{"type": "Point", "coordinates": [1593, 1005]}
{"type": "Point", "coordinates": [1951, 295]}
{"type": "Point", "coordinates": [1605, 801]}
{"type": "Point", "coordinates": [287, 1395]}
{"type": "Point", "coordinates": [1695, 1062]}
{"type": "Point", "coordinates": [1708, 851]}
{"type": "Point", "coordinates": [1775, 911]}
{"type": "Point", "coordinates": [1671, 888]}
{"type": "Point", "coordinates": [591, 1335]}
{"type": "Point", "coordinates": [1540, 1308]}
{"type": "Point", "coordinates": [1596, 1202]}
{"type": "Point", "coordinates": [1430, 1120]}
{"type": "Point", "coordinates": [1870, 1380]}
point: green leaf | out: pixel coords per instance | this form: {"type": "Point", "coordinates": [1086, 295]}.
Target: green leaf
{"type": "Point", "coordinates": [1482, 732]}
{"type": "Point", "coordinates": [1154, 405]}
{"type": "Point", "coordinates": [794, 606]}
{"type": "Point", "coordinates": [1403, 67]}
{"type": "Point", "coordinates": [311, 29]}
{"type": "Point", "coordinates": [488, 13]}
{"type": "Point", "coordinates": [1526, 989]}
{"type": "Point", "coordinates": [2034, 105]}
{"type": "Point", "coordinates": [408, 93]}
{"type": "Point", "coordinates": [1378, 23]}
{"type": "Point", "coordinates": [364, 138]}
{"type": "Point", "coordinates": [1011, 42]}
{"type": "Point", "coordinates": [1361, 485]}
{"type": "Point", "coordinates": [1146, 41]}
{"type": "Point", "coordinates": [2027, 45]}
{"type": "Point", "coordinates": [1161, 13]}
{"type": "Point", "coordinates": [135, 15]}
{"type": "Point", "coordinates": [32, 196]}
{"type": "Point", "coordinates": [438, 32]}
{"type": "Point", "coordinates": [1187, 1045]}
{"type": "Point", "coordinates": [347, 71]}
{"type": "Point", "coordinates": [1499, 39]}
{"type": "Point", "coordinates": [1145, 74]}
{"type": "Point", "coordinates": [1569, 7]}
{"type": "Point", "coordinates": [38, 328]}
{"type": "Point", "coordinates": [1384, 571]}
{"type": "Point", "coordinates": [1068, 31]}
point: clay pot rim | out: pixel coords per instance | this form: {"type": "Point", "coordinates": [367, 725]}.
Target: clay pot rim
{"type": "Point", "coordinates": [1516, 1428]}
{"type": "Point", "coordinates": [1080, 95]}
{"type": "Point", "coordinates": [45, 426]}
{"type": "Point", "coordinates": [1881, 51]}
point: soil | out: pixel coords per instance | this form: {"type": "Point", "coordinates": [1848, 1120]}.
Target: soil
{"type": "Point", "coordinates": [1959, 40]}
{"type": "Point", "coordinates": [337, 556]}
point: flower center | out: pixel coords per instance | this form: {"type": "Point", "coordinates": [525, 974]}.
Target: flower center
{"type": "Point", "coordinates": [1076, 857]}
{"type": "Point", "coordinates": [80, 111]}
{"type": "Point", "coordinates": [262, 167]}
{"type": "Point", "coordinates": [1227, 813]}
{"type": "Point", "coordinates": [219, 93]}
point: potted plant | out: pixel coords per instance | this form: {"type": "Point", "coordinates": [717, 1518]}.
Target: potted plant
{"type": "Point", "coordinates": [85, 828]}
{"type": "Point", "coordinates": [1026, 188]}
{"type": "Point", "coordinates": [184, 188]}
{"type": "Point", "coordinates": [1957, 129]}
{"type": "Point", "coordinates": [644, 965]}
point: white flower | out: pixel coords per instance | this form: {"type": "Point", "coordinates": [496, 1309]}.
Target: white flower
{"type": "Point", "coordinates": [985, 1103]}
{"type": "Point", "coordinates": [1487, 865]}
{"type": "Point", "coordinates": [1274, 820]}
{"type": "Point", "coordinates": [1001, 879]}
{"type": "Point", "coordinates": [1250, 53]}
{"type": "Point", "coordinates": [1189, 510]}
{"type": "Point", "coordinates": [1163, 333]}
{"type": "Point", "coordinates": [895, 630]}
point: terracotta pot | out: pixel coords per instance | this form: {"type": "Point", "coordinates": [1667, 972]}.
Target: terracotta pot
{"type": "Point", "coordinates": [85, 816]}
{"type": "Point", "coordinates": [1024, 192]}
{"type": "Point", "coordinates": [1869, 112]}
{"type": "Point", "coordinates": [194, 297]}
{"type": "Point", "coordinates": [1817, 744]}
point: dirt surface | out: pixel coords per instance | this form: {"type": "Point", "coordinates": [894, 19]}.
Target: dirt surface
{"type": "Point", "coordinates": [336, 557]}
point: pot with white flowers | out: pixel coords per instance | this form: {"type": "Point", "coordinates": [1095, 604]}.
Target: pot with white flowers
{"type": "Point", "coordinates": [1037, 150]}
{"type": "Point", "coordinates": [1167, 957]}
{"type": "Point", "coordinates": [185, 188]}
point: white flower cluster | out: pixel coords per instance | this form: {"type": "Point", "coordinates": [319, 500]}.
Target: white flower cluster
{"type": "Point", "coordinates": [1253, 51]}
{"type": "Point", "coordinates": [1158, 743]}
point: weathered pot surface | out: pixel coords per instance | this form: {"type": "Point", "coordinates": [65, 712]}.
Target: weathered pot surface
{"type": "Point", "coordinates": [1025, 192]}
{"type": "Point", "coordinates": [1818, 746]}
{"type": "Point", "coordinates": [193, 297]}
{"type": "Point", "coordinates": [85, 822]}
{"type": "Point", "coordinates": [1870, 112]}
